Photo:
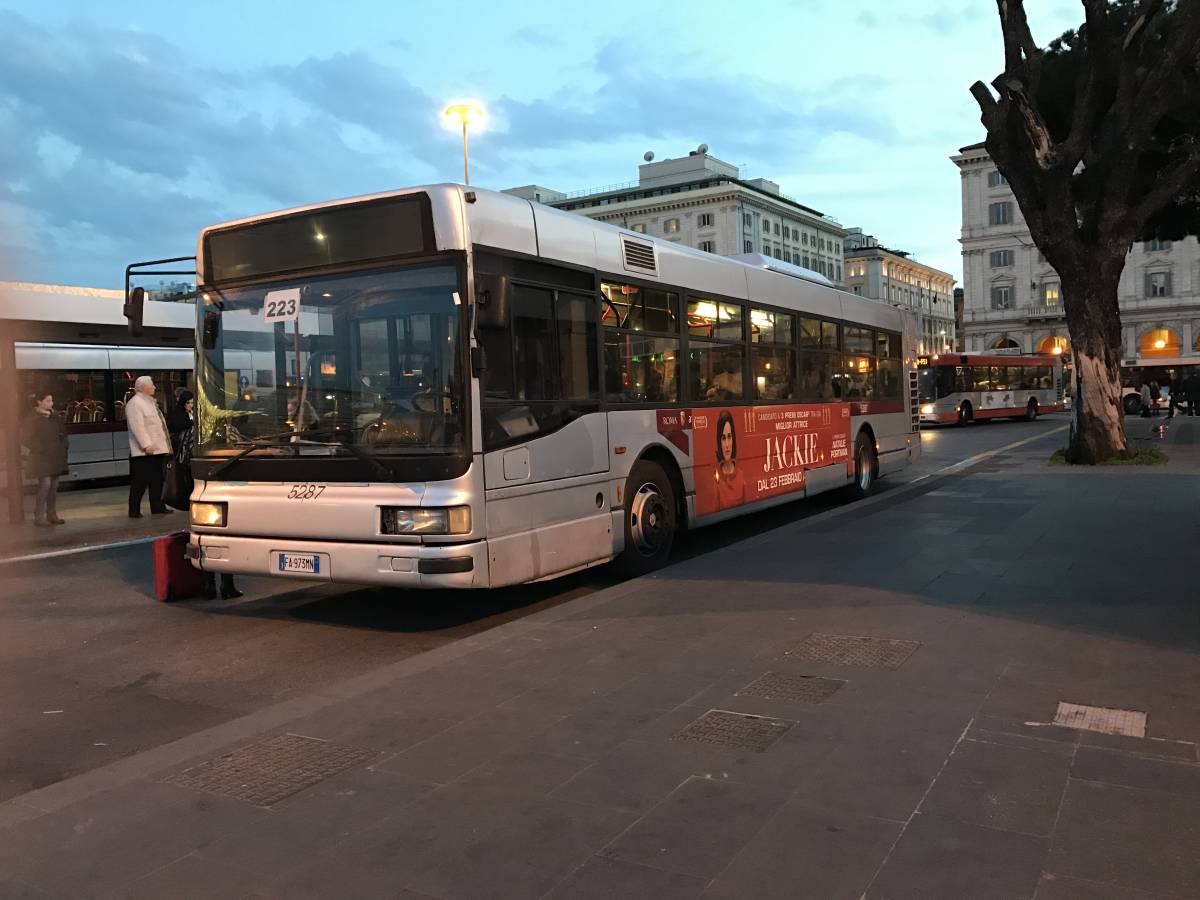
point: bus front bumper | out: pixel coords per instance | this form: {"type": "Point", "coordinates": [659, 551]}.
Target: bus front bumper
{"type": "Point", "coordinates": [395, 565]}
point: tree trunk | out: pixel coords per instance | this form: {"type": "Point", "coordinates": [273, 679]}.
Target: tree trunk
{"type": "Point", "coordinates": [1094, 320]}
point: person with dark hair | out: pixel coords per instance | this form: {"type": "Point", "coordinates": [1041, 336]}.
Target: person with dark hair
{"type": "Point", "coordinates": [729, 480]}
{"type": "Point", "coordinates": [181, 423]}
{"type": "Point", "coordinates": [44, 435]}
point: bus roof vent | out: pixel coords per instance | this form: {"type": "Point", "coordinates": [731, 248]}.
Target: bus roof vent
{"type": "Point", "coordinates": [639, 256]}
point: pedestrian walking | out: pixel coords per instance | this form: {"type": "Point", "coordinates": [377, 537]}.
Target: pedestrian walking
{"type": "Point", "coordinates": [1175, 400]}
{"type": "Point", "coordinates": [149, 447]}
{"type": "Point", "coordinates": [1191, 387]}
{"type": "Point", "coordinates": [1155, 394]}
{"type": "Point", "coordinates": [182, 424]}
{"type": "Point", "coordinates": [44, 435]}
{"type": "Point", "coordinates": [1146, 399]}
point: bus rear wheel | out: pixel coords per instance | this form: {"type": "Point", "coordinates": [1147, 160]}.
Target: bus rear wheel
{"type": "Point", "coordinates": [866, 467]}
{"type": "Point", "coordinates": [650, 519]}
{"type": "Point", "coordinates": [965, 415]}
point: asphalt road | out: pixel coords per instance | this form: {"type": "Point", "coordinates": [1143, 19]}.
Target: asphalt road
{"type": "Point", "coordinates": [92, 669]}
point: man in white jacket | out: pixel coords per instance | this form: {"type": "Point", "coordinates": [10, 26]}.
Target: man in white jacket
{"type": "Point", "coordinates": [149, 447]}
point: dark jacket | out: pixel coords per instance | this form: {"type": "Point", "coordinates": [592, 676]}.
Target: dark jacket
{"type": "Point", "coordinates": [1191, 387]}
{"type": "Point", "coordinates": [46, 439]}
{"type": "Point", "coordinates": [178, 424]}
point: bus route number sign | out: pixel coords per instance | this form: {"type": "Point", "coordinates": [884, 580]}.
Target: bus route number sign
{"type": "Point", "coordinates": [282, 306]}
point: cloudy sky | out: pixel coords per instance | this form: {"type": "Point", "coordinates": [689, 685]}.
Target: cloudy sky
{"type": "Point", "coordinates": [126, 126]}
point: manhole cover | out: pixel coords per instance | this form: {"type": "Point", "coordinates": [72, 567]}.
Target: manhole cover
{"type": "Point", "coordinates": [737, 730]}
{"type": "Point", "coordinates": [1128, 722]}
{"type": "Point", "coordinates": [849, 650]}
{"type": "Point", "coordinates": [793, 688]}
{"type": "Point", "coordinates": [266, 772]}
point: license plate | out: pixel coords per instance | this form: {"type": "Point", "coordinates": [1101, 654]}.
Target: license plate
{"type": "Point", "coordinates": [304, 563]}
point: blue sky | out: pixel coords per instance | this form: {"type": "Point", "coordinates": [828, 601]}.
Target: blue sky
{"type": "Point", "coordinates": [125, 127]}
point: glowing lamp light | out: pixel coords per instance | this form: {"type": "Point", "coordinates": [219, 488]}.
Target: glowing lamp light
{"type": "Point", "coordinates": [1056, 350]}
{"type": "Point", "coordinates": [1160, 344]}
{"type": "Point", "coordinates": [460, 114]}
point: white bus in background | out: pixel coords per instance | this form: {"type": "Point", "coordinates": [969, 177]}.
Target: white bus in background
{"type": "Point", "coordinates": [961, 388]}
{"type": "Point", "coordinates": [457, 388]}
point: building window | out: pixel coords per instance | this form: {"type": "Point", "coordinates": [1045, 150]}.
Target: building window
{"type": "Point", "coordinates": [1050, 295]}
{"type": "Point", "coordinates": [1158, 284]}
{"type": "Point", "coordinates": [1156, 245]}
{"type": "Point", "coordinates": [748, 247]}
{"type": "Point", "coordinates": [1001, 258]}
{"type": "Point", "coordinates": [1002, 298]}
{"type": "Point", "coordinates": [776, 228]}
{"type": "Point", "coordinates": [671, 226]}
{"type": "Point", "coordinates": [787, 233]}
{"type": "Point", "coordinates": [1000, 214]}
{"type": "Point", "coordinates": [705, 220]}
{"type": "Point", "coordinates": [996, 179]}
{"type": "Point", "coordinates": [805, 263]}
{"type": "Point", "coordinates": [821, 242]}
{"type": "Point", "coordinates": [858, 289]}
{"type": "Point", "coordinates": [804, 239]}
{"type": "Point", "coordinates": [747, 221]}
{"type": "Point", "coordinates": [640, 227]}
{"type": "Point", "coordinates": [766, 226]}
{"type": "Point", "coordinates": [766, 249]}
{"type": "Point", "coordinates": [706, 246]}
{"type": "Point", "coordinates": [839, 273]}
{"type": "Point", "coordinates": [787, 256]}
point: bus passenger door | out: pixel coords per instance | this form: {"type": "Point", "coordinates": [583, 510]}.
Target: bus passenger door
{"type": "Point", "coordinates": [545, 438]}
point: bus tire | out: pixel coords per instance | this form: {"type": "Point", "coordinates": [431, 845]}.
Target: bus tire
{"type": "Point", "coordinates": [1132, 404]}
{"type": "Point", "coordinates": [1031, 411]}
{"type": "Point", "coordinates": [866, 467]}
{"type": "Point", "coordinates": [965, 415]}
{"type": "Point", "coordinates": [650, 519]}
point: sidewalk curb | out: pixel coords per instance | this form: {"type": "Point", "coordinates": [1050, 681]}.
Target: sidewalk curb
{"type": "Point", "coordinates": [85, 548]}
{"type": "Point", "coordinates": [151, 763]}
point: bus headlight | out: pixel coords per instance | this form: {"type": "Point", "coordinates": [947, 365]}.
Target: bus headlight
{"type": "Point", "coordinates": [927, 409]}
{"type": "Point", "coordinates": [426, 520]}
{"type": "Point", "coordinates": [210, 514]}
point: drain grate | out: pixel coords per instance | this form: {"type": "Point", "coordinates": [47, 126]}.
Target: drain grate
{"type": "Point", "coordinates": [849, 650]}
{"type": "Point", "coordinates": [793, 688]}
{"type": "Point", "coordinates": [267, 772]}
{"type": "Point", "coordinates": [1128, 722]}
{"type": "Point", "coordinates": [737, 730]}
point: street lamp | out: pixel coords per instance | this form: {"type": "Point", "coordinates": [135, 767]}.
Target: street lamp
{"type": "Point", "coordinates": [464, 114]}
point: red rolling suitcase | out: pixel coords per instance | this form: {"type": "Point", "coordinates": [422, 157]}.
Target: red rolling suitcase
{"type": "Point", "coordinates": [175, 578]}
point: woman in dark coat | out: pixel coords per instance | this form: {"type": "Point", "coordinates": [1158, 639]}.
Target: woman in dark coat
{"type": "Point", "coordinates": [44, 435]}
{"type": "Point", "coordinates": [181, 423]}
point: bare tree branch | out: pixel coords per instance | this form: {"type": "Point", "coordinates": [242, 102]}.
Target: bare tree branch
{"type": "Point", "coordinates": [988, 106]}
{"type": "Point", "coordinates": [1087, 87]}
{"type": "Point", "coordinates": [1019, 45]}
{"type": "Point", "coordinates": [1150, 9]}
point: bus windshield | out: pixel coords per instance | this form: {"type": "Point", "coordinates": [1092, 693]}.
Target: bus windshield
{"type": "Point", "coordinates": [369, 360]}
{"type": "Point", "coordinates": [936, 381]}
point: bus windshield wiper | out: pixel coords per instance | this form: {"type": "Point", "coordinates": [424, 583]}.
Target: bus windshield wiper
{"type": "Point", "coordinates": [259, 444]}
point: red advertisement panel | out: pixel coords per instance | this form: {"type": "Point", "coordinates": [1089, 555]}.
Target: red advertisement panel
{"type": "Point", "coordinates": [743, 453]}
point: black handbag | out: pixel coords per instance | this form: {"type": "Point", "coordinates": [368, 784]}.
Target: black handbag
{"type": "Point", "coordinates": [177, 478]}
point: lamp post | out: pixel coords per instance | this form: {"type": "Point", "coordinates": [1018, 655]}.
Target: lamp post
{"type": "Point", "coordinates": [464, 114]}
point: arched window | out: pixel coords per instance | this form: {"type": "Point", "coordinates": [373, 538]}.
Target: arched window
{"type": "Point", "coordinates": [1160, 342]}
{"type": "Point", "coordinates": [1053, 344]}
{"type": "Point", "coordinates": [1005, 343]}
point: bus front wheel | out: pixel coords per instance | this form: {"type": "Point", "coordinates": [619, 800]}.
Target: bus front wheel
{"type": "Point", "coordinates": [650, 519]}
{"type": "Point", "coordinates": [866, 466]}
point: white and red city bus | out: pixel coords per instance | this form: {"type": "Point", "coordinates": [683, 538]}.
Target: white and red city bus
{"type": "Point", "coordinates": [959, 388]}
{"type": "Point", "coordinates": [451, 387]}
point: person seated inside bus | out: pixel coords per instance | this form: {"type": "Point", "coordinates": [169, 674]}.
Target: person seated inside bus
{"type": "Point", "coordinates": [725, 385]}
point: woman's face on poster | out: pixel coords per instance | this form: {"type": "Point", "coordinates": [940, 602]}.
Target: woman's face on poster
{"type": "Point", "coordinates": [727, 442]}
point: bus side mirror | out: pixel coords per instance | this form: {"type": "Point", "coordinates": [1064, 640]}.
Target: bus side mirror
{"type": "Point", "coordinates": [134, 305]}
{"type": "Point", "coordinates": [212, 329]}
{"type": "Point", "coordinates": [491, 300]}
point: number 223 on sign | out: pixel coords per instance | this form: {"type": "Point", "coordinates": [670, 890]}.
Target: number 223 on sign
{"type": "Point", "coordinates": [282, 306]}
